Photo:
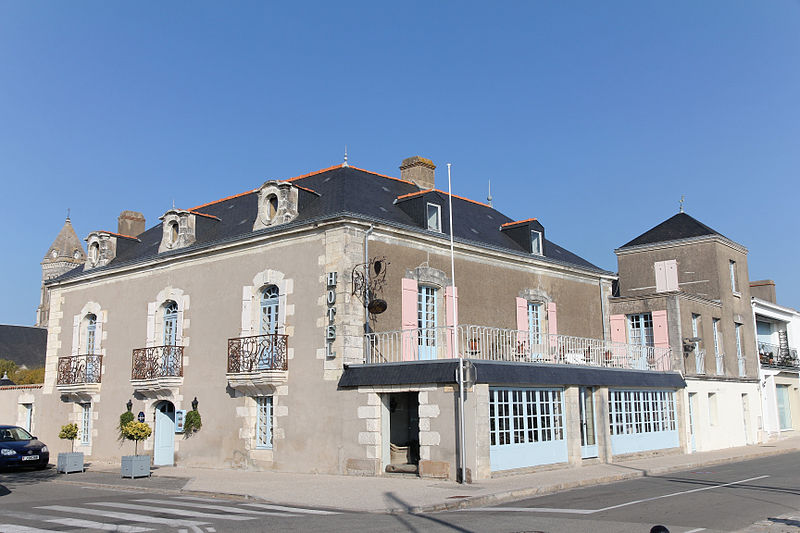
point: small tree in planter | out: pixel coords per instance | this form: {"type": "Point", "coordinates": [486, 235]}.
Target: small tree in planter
{"type": "Point", "coordinates": [124, 419]}
{"type": "Point", "coordinates": [72, 461]}
{"type": "Point", "coordinates": [136, 465]}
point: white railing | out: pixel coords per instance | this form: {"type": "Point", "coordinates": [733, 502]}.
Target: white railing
{"type": "Point", "coordinates": [742, 367]}
{"type": "Point", "coordinates": [700, 361]}
{"type": "Point", "coordinates": [498, 344]}
{"type": "Point", "coordinates": [720, 363]}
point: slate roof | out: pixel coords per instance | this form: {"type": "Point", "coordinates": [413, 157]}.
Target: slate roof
{"type": "Point", "coordinates": [680, 226]}
{"type": "Point", "coordinates": [65, 244]}
{"type": "Point", "coordinates": [340, 191]}
{"type": "Point", "coordinates": [25, 345]}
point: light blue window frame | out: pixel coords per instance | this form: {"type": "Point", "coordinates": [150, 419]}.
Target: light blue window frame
{"type": "Point", "coordinates": [264, 422]}
{"type": "Point", "coordinates": [270, 305]}
{"type": "Point", "coordinates": [641, 420]}
{"type": "Point", "coordinates": [536, 242]}
{"type": "Point", "coordinates": [86, 423]}
{"type": "Point", "coordinates": [434, 217]}
{"type": "Point", "coordinates": [427, 304]}
{"type": "Point", "coordinates": [640, 329]}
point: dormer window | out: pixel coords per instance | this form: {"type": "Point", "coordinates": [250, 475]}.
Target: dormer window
{"type": "Point", "coordinates": [277, 204]}
{"type": "Point", "coordinates": [178, 229]}
{"type": "Point", "coordinates": [434, 217]}
{"type": "Point", "coordinates": [103, 247]}
{"type": "Point", "coordinates": [536, 242]}
{"type": "Point", "coordinates": [173, 233]}
{"type": "Point", "coordinates": [94, 253]}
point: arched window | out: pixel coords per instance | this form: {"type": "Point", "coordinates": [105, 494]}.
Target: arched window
{"type": "Point", "coordinates": [170, 323]}
{"type": "Point", "coordinates": [269, 311]}
{"type": "Point", "coordinates": [91, 328]}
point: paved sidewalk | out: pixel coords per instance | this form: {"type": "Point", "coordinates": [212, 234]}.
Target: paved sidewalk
{"type": "Point", "coordinates": [402, 494]}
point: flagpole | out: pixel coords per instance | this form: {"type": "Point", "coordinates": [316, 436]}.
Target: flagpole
{"type": "Point", "coordinates": [454, 342]}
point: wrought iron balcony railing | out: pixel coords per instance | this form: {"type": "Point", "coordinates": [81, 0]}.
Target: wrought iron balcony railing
{"type": "Point", "coordinates": [157, 362]}
{"type": "Point", "coordinates": [774, 355]}
{"type": "Point", "coordinates": [742, 366]}
{"type": "Point", "coordinates": [498, 344]}
{"type": "Point", "coordinates": [78, 369]}
{"type": "Point", "coordinates": [720, 359]}
{"type": "Point", "coordinates": [256, 353]}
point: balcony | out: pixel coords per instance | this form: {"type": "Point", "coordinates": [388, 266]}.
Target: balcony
{"type": "Point", "coordinates": [157, 370]}
{"type": "Point", "coordinates": [79, 374]}
{"type": "Point", "coordinates": [497, 344]}
{"type": "Point", "coordinates": [258, 363]}
{"type": "Point", "coordinates": [773, 355]}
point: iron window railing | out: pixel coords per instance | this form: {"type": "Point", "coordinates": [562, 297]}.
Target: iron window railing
{"type": "Point", "coordinates": [259, 352]}
{"type": "Point", "coordinates": [700, 361]}
{"type": "Point", "coordinates": [774, 355]}
{"type": "Point", "coordinates": [77, 369]}
{"type": "Point", "coordinates": [157, 362]}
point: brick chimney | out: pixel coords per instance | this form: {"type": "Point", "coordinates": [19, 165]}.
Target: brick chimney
{"type": "Point", "coordinates": [130, 223]}
{"type": "Point", "coordinates": [418, 170]}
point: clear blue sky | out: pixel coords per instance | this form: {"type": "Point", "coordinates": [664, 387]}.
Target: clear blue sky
{"type": "Point", "coordinates": [592, 116]}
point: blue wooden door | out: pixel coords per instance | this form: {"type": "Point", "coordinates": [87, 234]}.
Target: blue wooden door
{"type": "Point", "coordinates": [164, 447]}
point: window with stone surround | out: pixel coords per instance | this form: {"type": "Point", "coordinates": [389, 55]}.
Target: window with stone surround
{"type": "Point", "coordinates": [264, 422]}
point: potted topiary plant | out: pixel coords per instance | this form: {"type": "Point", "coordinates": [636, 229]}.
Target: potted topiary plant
{"type": "Point", "coordinates": [71, 461]}
{"type": "Point", "coordinates": [135, 465]}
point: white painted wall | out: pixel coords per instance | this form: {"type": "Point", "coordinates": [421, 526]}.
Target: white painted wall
{"type": "Point", "coordinates": [729, 431]}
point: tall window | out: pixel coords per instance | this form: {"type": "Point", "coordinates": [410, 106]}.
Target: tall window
{"type": "Point", "coordinates": [734, 285]}
{"type": "Point", "coordinates": [170, 323]}
{"type": "Point", "coordinates": [535, 329]}
{"type": "Point", "coordinates": [640, 329]}
{"type": "Point", "coordinates": [269, 310]}
{"type": "Point", "coordinates": [426, 321]}
{"type": "Point", "coordinates": [264, 422]}
{"type": "Point", "coordinates": [434, 217]}
{"type": "Point", "coordinates": [86, 420]}
{"type": "Point", "coordinates": [91, 327]}
{"type": "Point", "coordinates": [738, 330]}
{"type": "Point", "coordinates": [717, 338]}
{"type": "Point", "coordinates": [536, 242]}
{"type": "Point", "coordinates": [696, 331]}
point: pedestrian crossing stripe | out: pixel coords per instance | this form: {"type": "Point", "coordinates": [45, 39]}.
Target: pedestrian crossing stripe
{"type": "Point", "coordinates": [169, 510]}
{"type": "Point", "coordinates": [130, 517]}
{"type": "Point", "coordinates": [300, 510]}
{"type": "Point", "coordinates": [229, 509]}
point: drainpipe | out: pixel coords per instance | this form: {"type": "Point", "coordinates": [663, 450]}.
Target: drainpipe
{"type": "Point", "coordinates": [366, 276]}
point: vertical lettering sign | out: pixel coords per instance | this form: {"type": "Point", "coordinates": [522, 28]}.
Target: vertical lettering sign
{"type": "Point", "coordinates": [330, 329]}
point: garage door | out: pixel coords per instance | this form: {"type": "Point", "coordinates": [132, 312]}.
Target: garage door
{"type": "Point", "coordinates": [526, 427]}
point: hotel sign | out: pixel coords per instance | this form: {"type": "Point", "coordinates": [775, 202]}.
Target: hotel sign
{"type": "Point", "coordinates": [330, 328]}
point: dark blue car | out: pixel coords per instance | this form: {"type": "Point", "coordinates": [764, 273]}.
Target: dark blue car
{"type": "Point", "coordinates": [19, 448]}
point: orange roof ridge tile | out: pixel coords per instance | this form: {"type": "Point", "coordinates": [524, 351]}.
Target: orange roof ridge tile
{"type": "Point", "coordinates": [383, 175]}
{"type": "Point", "coordinates": [514, 223]}
{"type": "Point", "coordinates": [203, 214]}
{"type": "Point", "coordinates": [121, 235]}
{"type": "Point", "coordinates": [307, 189]}
{"type": "Point", "coordinates": [442, 192]}
{"type": "Point", "coordinates": [311, 173]}
{"type": "Point", "coordinates": [223, 199]}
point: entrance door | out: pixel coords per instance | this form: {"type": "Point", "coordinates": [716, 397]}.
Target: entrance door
{"type": "Point", "coordinates": [692, 407]}
{"type": "Point", "coordinates": [164, 448]}
{"type": "Point", "coordinates": [588, 432]}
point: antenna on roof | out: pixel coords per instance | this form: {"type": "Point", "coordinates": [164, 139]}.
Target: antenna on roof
{"type": "Point", "coordinates": [173, 203]}
{"type": "Point", "coordinates": [682, 200]}
{"type": "Point", "coordinates": [345, 157]}
{"type": "Point", "coordinates": [68, 214]}
{"type": "Point", "coordinates": [489, 198]}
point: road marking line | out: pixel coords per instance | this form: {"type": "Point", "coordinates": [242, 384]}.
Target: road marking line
{"type": "Point", "coordinates": [592, 511]}
{"type": "Point", "coordinates": [91, 524]}
{"type": "Point", "coordinates": [230, 509]}
{"type": "Point", "coordinates": [172, 522]}
{"type": "Point", "coordinates": [12, 528]}
{"type": "Point", "coordinates": [289, 509]}
{"type": "Point", "coordinates": [168, 510]}
{"type": "Point", "coordinates": [696, 530]}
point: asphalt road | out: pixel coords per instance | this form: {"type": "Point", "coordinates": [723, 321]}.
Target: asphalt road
{"type": "Point", "coordinates": [724, 498]}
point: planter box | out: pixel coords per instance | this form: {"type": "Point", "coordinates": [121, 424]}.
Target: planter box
{"type": "Point", "coordinates": [135, 466]}
{"type": "Point", "coordinates": [70, 462]}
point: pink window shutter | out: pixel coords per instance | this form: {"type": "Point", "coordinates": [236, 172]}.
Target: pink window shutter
{"type": "Point", "coordinates": [522, 321]}
{"type": "Point", "coordinates": [409, 319]}
{"type": "Point", "coordinates": [451, 301]}
{"type": "Point", "coordinates": [660, 329]}
{"type": "Point", "coordinates": [552, 324]}
{"type": "Point", "coordinates": [619, 354]}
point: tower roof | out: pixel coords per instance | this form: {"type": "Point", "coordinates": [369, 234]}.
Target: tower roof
{"type": "Point", "coordinates": [66, 247]}
{"type": "Point", "coordinates": [680, 226]}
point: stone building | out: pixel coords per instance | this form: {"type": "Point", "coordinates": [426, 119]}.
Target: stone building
{"type": "Point", "coordinates": [317, 324]}
{"type": "Point", "coordinates": [685, 286]}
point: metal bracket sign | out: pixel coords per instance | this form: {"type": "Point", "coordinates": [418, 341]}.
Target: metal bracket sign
{"type": "Point", "coordinates": [330, 329]}
{"type": "Point", "coordinates": [180, 417]}
{"type": "Point", "coordinates": [470, 374]}
{"type": "Point", "coordinates": [140, 416]}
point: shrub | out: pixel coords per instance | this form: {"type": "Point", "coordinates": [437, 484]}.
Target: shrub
{"type": "Point", "coordinates": [192, 422]}
{"type": "Point", "coordinates": [125, 418]}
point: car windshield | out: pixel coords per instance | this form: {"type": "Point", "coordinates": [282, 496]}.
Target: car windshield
{"type": "Point", "coordinates": [11, 434]}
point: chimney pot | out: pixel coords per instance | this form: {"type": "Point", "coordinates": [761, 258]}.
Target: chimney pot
{"type": "Point", "coordinates": [418, 170]}
{"type": "Point", "coordinates": [130, 223]}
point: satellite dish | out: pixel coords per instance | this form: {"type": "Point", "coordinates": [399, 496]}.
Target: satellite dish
{"type": "Point", "coordinates": [377, 306]}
